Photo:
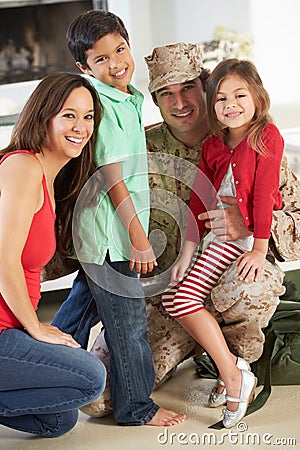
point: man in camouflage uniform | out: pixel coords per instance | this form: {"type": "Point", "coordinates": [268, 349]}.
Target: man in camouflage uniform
{"type": "Point", "coordinates": [242, 309]}
{"type": "Point", "coordinates": [177, 85]}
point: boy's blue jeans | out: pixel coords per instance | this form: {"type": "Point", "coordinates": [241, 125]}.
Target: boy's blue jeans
{"type": "Point", "coordinates": [121, 308]}
{"type": "Point", "coordinates": [43, 385]}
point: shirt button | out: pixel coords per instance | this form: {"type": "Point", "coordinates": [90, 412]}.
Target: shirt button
{"type": "Point", "coordinates": [240, 200]}
{"type": "Point", "coordinates": [234, 165]}
{"type": "Point", "coordinates": [247, 218]}
{"type": "Point", "coordinates": [237, 182]}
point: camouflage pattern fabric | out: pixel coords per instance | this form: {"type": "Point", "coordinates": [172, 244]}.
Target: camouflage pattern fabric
{"type": "Point", "coordinates": [59, 267]}
{"type": "Point", "coordinates": [285, 233]}
{"type": "Point", "coordinates": [170, 183]}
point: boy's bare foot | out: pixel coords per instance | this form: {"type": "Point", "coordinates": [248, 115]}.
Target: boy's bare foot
{"type": "Point", "coordinates": [165, 418]}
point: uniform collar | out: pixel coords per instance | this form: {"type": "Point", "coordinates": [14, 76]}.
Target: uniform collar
{"type": "Point", "coordinates": [178, 143]}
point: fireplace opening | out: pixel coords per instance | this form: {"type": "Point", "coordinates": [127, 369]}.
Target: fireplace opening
{"type": "Point", "coordinates": [32, 37]}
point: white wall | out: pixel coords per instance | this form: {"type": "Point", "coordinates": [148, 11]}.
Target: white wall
{"type": "Point", "coordinates": [275, 25]}
{"type": "Point", "coordinates": [152, 23]}
{"type": "Point", "coordinates": [197, 19]}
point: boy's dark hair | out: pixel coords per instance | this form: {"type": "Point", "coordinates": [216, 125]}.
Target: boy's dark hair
{"type": "Point", "coordinates": [88, 28]}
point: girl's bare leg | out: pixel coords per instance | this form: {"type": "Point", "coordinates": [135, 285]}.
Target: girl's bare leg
{"type": "Point", "coordinates": [203, 327]}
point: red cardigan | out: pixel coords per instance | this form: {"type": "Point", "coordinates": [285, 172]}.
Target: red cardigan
{"type": "Point", "coordinates": [256, 179]}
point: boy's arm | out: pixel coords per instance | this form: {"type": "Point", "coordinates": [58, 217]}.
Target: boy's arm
{"type": "Point", "coordinates": [141, 253]}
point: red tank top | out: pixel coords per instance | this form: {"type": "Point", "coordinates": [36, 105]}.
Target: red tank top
{"type": "Point", "coordinates": [38, 250]}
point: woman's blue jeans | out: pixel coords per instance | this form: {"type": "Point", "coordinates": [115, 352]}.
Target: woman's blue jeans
{"type": "Point", "coordinates": [120, 302]}
{"type": "Point", "coordinates": [43, 385]}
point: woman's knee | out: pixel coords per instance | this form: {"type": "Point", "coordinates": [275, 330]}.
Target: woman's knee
{"type": "Point", "coordinates": [55, 425]}
{"type": "Point", "coordinates": [96, 374]}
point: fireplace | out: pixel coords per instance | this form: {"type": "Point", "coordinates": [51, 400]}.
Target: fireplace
{"type": "Point", "coordinates": [32, 37]}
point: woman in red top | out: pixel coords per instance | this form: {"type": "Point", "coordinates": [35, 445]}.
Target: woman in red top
{"type": "Point", "coordinates": [242, 159]}
{"type": "Point", "coordinates": [42, 384]}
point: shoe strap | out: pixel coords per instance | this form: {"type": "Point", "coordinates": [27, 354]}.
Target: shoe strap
{"type": "Point", "coordinates": [242, 364]}
{"type": "Point", "coordinates": [221, 382]}
{"type": "Point", "coordinates": [234, 399]}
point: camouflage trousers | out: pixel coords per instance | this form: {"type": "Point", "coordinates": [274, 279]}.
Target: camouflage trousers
{"type": "Point", "coordinates": [242, 310]}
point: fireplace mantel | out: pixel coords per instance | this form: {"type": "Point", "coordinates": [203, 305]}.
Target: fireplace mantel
{"type": "Point", "coordinates": [33, 37]}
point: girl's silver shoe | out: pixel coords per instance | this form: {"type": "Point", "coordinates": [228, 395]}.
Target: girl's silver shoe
{"type": "Point", "coordinates": [232, 418]}
{"type": "Point", "coordinates": [242, 364]}
{"type": "Point", "coordinates": [215, 400]}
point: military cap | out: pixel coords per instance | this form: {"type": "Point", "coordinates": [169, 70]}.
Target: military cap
{"type": "Point", "coordinates": [173, 63]}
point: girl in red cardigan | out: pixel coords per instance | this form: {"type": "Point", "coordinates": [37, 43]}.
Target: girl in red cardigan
{"type": "Point", "coordinates": [241, 159]}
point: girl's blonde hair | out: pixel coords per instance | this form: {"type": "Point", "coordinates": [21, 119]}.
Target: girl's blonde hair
{"type": "Point", "coordinates": [248, 72]}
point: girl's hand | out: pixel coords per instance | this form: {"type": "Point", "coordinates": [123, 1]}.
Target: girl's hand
{"type": "Point", "coordinates": [142, 256]}
{"type": "Point", "coordinates": [184, 262]}
{"type": "Point", "coordinates": [250, 265]}
{"type": "Point", "coordinates": [179, 270]}
{"type": "Point", "coordinates": [52, 335]}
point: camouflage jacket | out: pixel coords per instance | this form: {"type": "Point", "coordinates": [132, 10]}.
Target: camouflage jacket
{"type": "Point", "coordinates": [172, 169]}
{"type": "Point", "coordinates": [285, 232]}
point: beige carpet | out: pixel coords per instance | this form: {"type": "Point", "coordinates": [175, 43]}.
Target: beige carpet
{"type": "Point", "coordinates": [275, 426]}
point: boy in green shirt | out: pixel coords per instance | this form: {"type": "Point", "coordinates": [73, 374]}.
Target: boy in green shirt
{"type": "Point", "coordinates": [114, 245]}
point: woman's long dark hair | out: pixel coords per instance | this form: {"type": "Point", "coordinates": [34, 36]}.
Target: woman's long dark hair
{"type": "Point", "coordinates": [30, 133]}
